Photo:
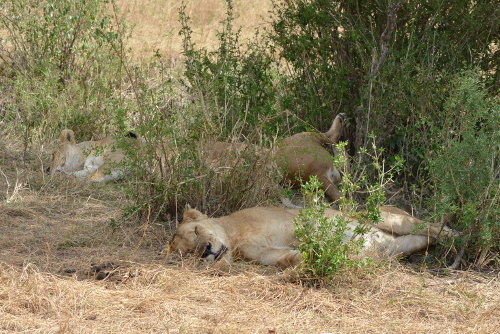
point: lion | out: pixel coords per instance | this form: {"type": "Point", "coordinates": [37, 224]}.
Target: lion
{"type": "Point", "coordinates": [94, 161]}
{"type": "Point", "coordinates": [266, 235]}
{"type": "Point", "coordinates": [304, 155]}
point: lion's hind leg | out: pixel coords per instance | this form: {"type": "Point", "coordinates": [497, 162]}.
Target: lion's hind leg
{"type": "Point", "coordinates": [399, 222]}
{"type": "Point", "coordinates": [92, 163]}
{"type": "Point", "coordinates": [408, 244]}
{"type": "Point", "coordinates": [103, 174]}
{"type": "Point", "coordinates": [110, 169]}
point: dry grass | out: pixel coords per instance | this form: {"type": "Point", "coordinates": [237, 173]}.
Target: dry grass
{"type": "Point", "coordinates": [154, 298]}
{"type": "Point", "coordinates": [63, 269]}
{"type": "Point", "coordinates": [156, 24]}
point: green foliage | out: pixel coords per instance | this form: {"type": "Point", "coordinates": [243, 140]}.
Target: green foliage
{"type": "Point", "coordinates": [66, 35]}
{"type": "Point", "coordinates": [384, 63]}
{"type": "Point", "coordinates": [233, 84]}
{"type": "Point", "coordinates": [60, 62]}
{"type": "Point", "coordinates": [326, 65]}
{"type": "Point", "coordinates": [367, 180]}
{"type": "Point", "coordinates": [226, 104]}
{"type": "Point", "coordinates": [329, 245]}
{"type": "Point", "coordinates": [322, 241]}
{"type": "Point", "coordinates": [465, 166]}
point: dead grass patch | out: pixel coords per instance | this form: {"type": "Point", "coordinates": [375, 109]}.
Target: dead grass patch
{"type": "Point", "coordinates": [156, 24]}
{"type": "Point", "coordinates": [157, 298]}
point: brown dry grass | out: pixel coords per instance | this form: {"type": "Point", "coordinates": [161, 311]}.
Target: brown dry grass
{"type": "Point", "coordinates": [156, 24]}
{"type": "Point", "coordinates": [161, 299]}
{"type": "Point", "coordinates": [56, 240]}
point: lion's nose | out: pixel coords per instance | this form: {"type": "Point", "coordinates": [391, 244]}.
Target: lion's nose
{"type": "Point", "coordinates": [208, 251]}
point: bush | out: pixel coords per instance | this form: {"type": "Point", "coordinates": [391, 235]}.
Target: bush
{"type": "Point", "coordinates": [233, 85]}
{"type": "Point", "coordinates": [61, 60]}
{"type": "Point", "coordinates": [465, 166]}
{"type": "Point", "coordinates": [224, 95]}
{"type": "Point", "coordinates": [322, 241]}
{"type": "Point", "coordinates": [385, 64]}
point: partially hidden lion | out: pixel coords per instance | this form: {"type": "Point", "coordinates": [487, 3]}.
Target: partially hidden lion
{"type": "Point", "coordinates": [94, 161]}
{"type": "Point", "coordinates": [304, 155]}
{"type": "Point", "coordinates": [266, 235]}
{"type": "Point", "coordinates": [225, 155]}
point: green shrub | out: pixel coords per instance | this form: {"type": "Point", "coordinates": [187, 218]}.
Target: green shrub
{"type": "Point", "coordinates": [465, 166]}
{"type": "Point", "coordinates": [233, 85]}
{"type": "Point", "coordinates": [61, 61]}
{"type": "Point", "coordinates": [224, 95]}
{"type": "Point", "coordinates": [366, 179]}
{"type": "Point", "coordinates": [386, 64]}
{"type": "Point", "coordinates": [322, 241]}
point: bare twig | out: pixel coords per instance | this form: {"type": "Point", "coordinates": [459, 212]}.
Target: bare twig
{"type": "Point", "coordinates": [377, 62]}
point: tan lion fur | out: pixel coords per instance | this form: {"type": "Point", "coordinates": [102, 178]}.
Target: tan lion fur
{"type": "Point", "coordinates": [266, 235]}
{"type": "Point", "coordinates": [90, 160]}
{"type": "Point", "coordinates": [304, 155]}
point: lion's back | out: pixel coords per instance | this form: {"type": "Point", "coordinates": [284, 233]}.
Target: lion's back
{"type": "Point", "coordinates": [258, 223]}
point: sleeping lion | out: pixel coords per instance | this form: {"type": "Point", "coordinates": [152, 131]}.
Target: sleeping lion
{"type": "Point", "coordinates": [94, 161]}
{"type": "Point", "coordinates": [266, 235]}
{"type": "Point", "coordinates": [304, 155]}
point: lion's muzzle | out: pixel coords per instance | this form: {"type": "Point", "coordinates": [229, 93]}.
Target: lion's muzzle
{"type": "Point", "coordinates": [210, 255]}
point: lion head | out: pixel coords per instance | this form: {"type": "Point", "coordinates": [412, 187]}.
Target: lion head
{"type": "Point", "coordinates": [200, 235]}
{"type": "Point", "coordinates": [68, 157]}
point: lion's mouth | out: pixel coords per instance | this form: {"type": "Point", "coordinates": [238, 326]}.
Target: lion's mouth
{"type": "Point", "coordinates": [208, 252]}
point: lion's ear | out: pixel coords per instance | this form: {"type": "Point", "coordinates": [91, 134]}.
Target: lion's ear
{"type": "Point", "coordinates": [67, 136]}
{"type": "Point", "coordinates": [191, 215]}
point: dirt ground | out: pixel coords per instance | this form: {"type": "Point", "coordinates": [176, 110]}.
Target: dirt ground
{"type": "Point", "coordinates": [70, 264]}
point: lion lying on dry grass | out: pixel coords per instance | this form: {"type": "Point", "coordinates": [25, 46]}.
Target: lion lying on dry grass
{"type": "Point", "coordinates": [266, 235]}
{"type": "Point", "coordinates": [304, 155]}
{"type": "Point", "coordinates": [94, 161]}
{"type": "Point", "coordinates": [299, 157]}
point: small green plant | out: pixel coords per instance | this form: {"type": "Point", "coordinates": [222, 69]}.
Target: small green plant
{"type": "Point", "coordinates": [323, 242]}
{"type": "Point", "coordinates": [327, 245]}
{"type": "Point", "coordinates": [370, 175]}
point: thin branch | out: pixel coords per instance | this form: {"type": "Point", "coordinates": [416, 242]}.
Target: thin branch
{"type": "Point", "coordinates": [385, 38]}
